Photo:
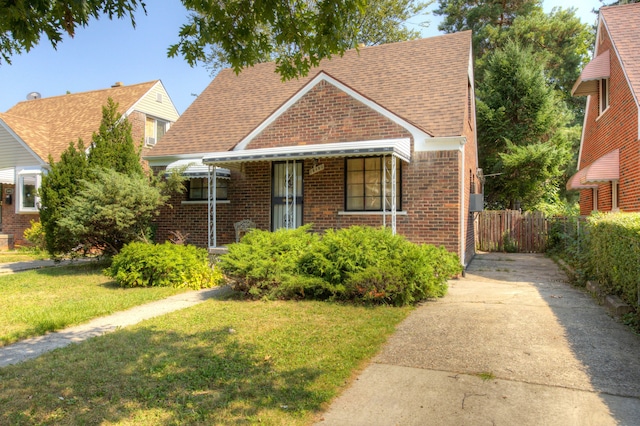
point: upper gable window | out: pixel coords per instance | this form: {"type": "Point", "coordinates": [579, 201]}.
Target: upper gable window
{"type": "Point", "coordinates": [604, 94]}
{"type": "Point", "coordinates": [154, 130]}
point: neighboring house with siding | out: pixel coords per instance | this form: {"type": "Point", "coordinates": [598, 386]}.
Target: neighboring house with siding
{"type": "Point", "coordinates": [33, 130]}
{"type": "Point", "coordinates": [608, 176]}
{"type": "Point", "coordinates": [381, 136]}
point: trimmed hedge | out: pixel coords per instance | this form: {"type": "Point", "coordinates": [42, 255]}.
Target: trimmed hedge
{"type": "Point", "coordinates": [363, 264]}
{"type": "Point", "coordinates": [153, 265]}
{"type": "Point", "coordinates": [614, 253]}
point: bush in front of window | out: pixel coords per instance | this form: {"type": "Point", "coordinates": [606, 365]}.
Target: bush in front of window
{"type": "Point", "coordinates": [360, 264]}
{"type": "Point", "coordinates": [163, 265]}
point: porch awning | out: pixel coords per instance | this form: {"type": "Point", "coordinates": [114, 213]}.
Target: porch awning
{"type": "Point", "coordinates": [7, 176]}
{"type": "Point", "coordinates": [587, 83]}
{"type": "Point", "coordinates": [401, 148]}
{"type": "Point", "coordinates": [195, 169]}
{"type": "Point", "coordinates": [604, 169]}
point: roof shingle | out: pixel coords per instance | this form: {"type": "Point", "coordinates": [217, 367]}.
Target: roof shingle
{"type": "Point", "coordinates": [47, 125]}
{"type": "Point", "coordinates": [422, 81]}
{"type": "Point", "coordinates": [623, 24]}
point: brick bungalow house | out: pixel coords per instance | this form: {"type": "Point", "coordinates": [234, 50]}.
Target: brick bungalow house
{"type": "Point", "coordinates": [609, 160]}
{"type": "Point", "coordinates": [34, 129]}
{"type": "Point", "coordinates": [381, 136]}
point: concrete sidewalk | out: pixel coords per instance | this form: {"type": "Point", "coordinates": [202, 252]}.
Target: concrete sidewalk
{"type": "Point", "coordinates": [512, 343]}
{"type": "Point", "coordinates": [13, 267]}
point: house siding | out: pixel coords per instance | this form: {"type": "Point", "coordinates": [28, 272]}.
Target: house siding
{"type": "Point", "coordinates": [616, 128]}
{"type": "Point", "coordinates": [149, 105]}
{"type": "Point", "coordinates": [13, 152]}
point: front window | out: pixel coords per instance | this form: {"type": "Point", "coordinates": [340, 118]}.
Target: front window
{"type": "Point", "coordinates": [198, 189]}
{"type": "Point", "coordinates": [365, 180]}
{"type": "Point", "coordinates": [27, 192]}
{"type": "Point", "coordinates": [154, 130]}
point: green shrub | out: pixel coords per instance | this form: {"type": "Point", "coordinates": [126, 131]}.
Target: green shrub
{"type": "Point", "coordinates": [614, 253]}
{"type": "Point", "coordinates": [153, 265]}
{"type": "Point", "coordinates": [361, 264]}
{"type": "Point", "coordinates": [35, 235]}
{"type": "Point", "coordinates": [263, 260]}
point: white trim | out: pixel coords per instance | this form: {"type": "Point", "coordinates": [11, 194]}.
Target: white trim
{"type": "Point", "coordinates": [446, 143]}
{"type": "Point", "coordinates": [21, 173]}
{"type": "Point", "coordinates": [398, 147]}
{"type": "Point", "coordinates": [205, 202]}
{"type": "Point", "coordinates": [463, 235]}
{"type": "Point", "coordinates": [416, 133]}
{"type": "Point", "coordinates": [369, 213]}
{"type": "Point", "coordinates": [168, 159]}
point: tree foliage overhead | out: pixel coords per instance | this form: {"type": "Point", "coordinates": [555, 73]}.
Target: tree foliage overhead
{"type": "Point", "coordinates": [479, 16]}
{"type": "Point", "coordinates": [300, 33]}
{"type": "Point", "coordinates": [377, 22]}
{"type": "Point", "coordinates": [24, 22]}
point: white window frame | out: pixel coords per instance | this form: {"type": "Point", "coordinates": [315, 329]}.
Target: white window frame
{"type": "Point", "coordinates": [151, 140]}
{"type": "Point", "coordinates": [603, 95]}
{"type": "Point", "coordinates": [21, 174]}
{"type": "Point", "coordinates": [614, 196]}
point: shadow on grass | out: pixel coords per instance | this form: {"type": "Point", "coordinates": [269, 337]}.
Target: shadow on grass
{"type": "Point", "coordinates": [157, 377]}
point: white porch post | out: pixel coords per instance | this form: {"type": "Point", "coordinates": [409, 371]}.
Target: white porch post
{"type": "Point", "coordinates": [393, 194]}
{"type": "Point", "coordinates": [211, 201]}
{"type": "Point", "coordinates": [384, 190]}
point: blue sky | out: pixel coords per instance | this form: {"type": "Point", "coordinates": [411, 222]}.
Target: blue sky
{"type": "Point", "coordinates": [109, 51]}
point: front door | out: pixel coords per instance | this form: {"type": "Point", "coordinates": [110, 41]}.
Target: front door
{"type": "Point", "coordinates": [286, 195]}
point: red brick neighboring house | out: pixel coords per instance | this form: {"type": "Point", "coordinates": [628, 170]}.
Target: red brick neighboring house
{"type": "Point", "coordinates": [34, 129]}
{"type": "Point", "coordinates": [381, 136]}
{"type": "Point", "coordinates": [609, 161]}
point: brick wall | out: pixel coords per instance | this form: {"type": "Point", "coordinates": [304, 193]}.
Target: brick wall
{"type": "Point", "coordinates": [326, 115]}
{"type": "Point", "coordinates": [616, 128]}
{"type": "Point", "coordinates": [12, 223]}
{"type": "Point", "coordinates": [431, 183]}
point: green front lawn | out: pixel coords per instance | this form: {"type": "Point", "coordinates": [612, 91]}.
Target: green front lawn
{"type": "Point", "coordinates": [220, 362]}
{"type": "Point", "coordinates": [21, 256]}
{"type": "Point", "coordinates": [35, 302]}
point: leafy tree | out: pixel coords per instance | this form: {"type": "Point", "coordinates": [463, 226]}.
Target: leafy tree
{"type": "Point", "coordinates": [478, 16]}
{"type": "Point", "coordinates": [23, 22]}
{"type": "Point", "coordinates": [73, 212]}
{"type": "Point", "coordinates": [112, 146]}
{"type": "Point", "coordinates": [378, 22]}
{"type": "Point", "coordinates": [298, 33]}
{"type": "Point", "coordinates": [521, 128]}
{"type": "Point", "coordinates": [111, 210]}
{"type": "Point", "coordinates": [58, 187]}
{"type": "Point", "coordinates": [560, 40]}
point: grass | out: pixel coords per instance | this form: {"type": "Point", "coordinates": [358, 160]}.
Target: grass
{"type": "Point", "coordinates": [21, 256]}
{"type": "Point", "coordinates": [35, 302]}
{"type": "Point", "coordinates": [486, 376]}
{"type": "Point", "coordinates": [220, 362]}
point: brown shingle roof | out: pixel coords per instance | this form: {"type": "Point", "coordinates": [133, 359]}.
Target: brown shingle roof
{"type": "Point", "coordinates": [623, 23]}
{"type": "Point", "coordinates": [422, 81]}
{"type": "Point", "coordinates": [47, 125]}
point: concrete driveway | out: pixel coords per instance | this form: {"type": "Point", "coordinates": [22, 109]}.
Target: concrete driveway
{"type": "Point", "coordinates": [511, 344]}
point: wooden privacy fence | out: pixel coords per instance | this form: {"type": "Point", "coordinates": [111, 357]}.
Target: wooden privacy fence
{"type": "Point", "coordinates": [511, 231]}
